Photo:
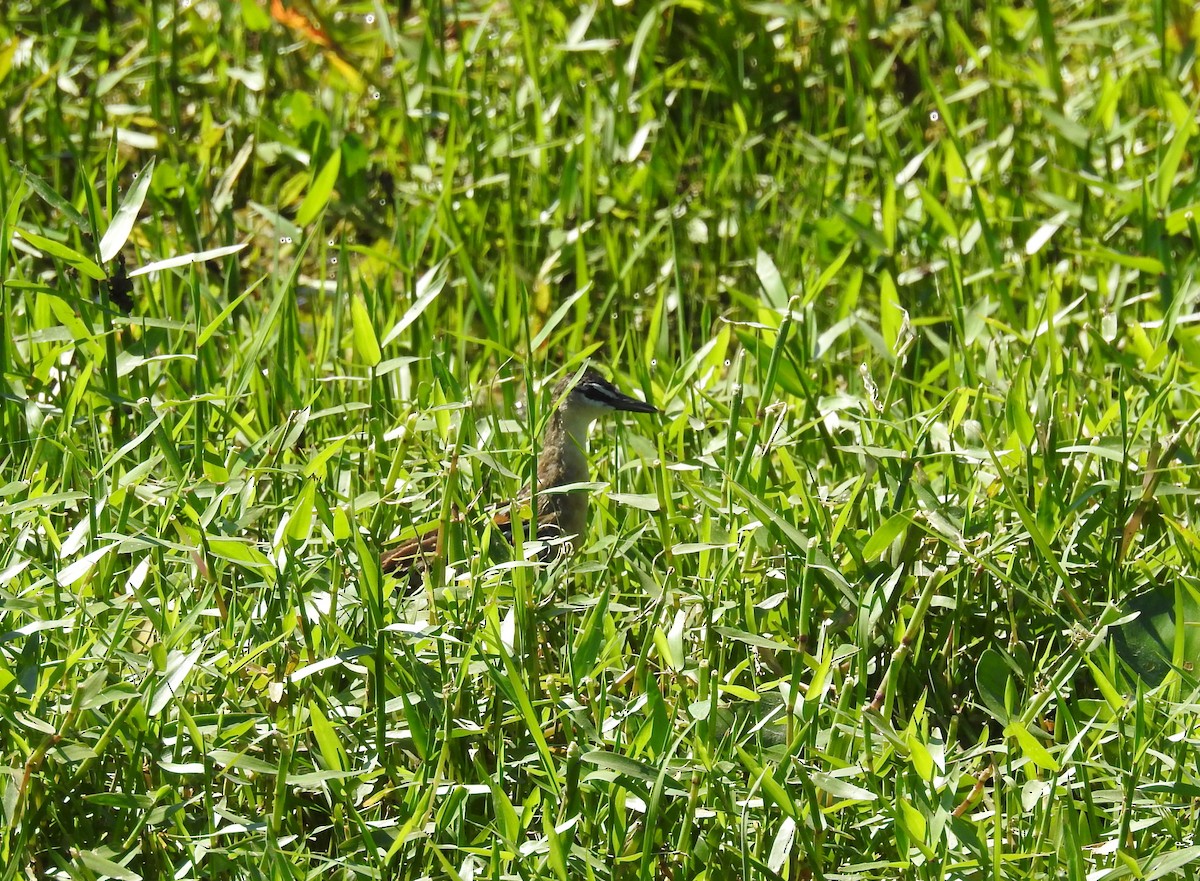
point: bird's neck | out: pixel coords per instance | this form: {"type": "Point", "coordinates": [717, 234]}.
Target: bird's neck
{"type": "Point", "coordinates": [563, 458]}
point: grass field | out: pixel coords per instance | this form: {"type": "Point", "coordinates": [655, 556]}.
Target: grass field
{"type": "Point", "coordinates": [904, 582]}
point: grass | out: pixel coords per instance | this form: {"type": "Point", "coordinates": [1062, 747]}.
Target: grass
{"type": "Point", "coordinates": [903, 583]}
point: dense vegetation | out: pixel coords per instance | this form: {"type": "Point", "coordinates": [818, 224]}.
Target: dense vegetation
{"type": "Point", "coordinates": [889, 590]}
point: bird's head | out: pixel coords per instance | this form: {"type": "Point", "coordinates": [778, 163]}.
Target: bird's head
{"type": "Point", "coordinates": [589, 395]}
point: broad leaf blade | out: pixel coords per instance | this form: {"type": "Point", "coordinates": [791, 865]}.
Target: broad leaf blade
{"type": "Point", "coordinates": [122, 223]}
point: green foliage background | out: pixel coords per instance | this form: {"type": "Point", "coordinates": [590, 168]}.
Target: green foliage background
{"type": "Point", "coordinates": [914, 284]}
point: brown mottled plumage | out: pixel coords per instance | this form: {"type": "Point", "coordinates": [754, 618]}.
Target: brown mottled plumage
{"type": "Point", "coordinates": [562, 461]}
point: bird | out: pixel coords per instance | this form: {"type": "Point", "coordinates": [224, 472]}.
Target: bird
{"type": "Point", "coordinates": [578, 400]}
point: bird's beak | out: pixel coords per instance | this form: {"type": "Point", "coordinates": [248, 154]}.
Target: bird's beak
{"type": "Point", "coordinates": [631, 405]}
